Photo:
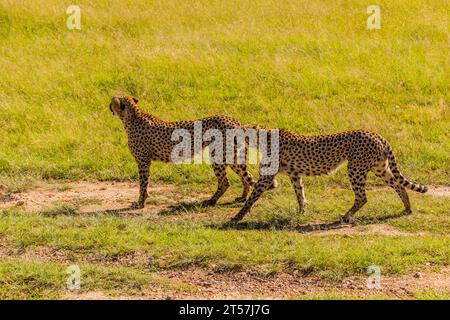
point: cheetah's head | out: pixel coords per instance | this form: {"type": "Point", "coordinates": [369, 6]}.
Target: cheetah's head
{"type": "Point", "coordinates": [120, 105]}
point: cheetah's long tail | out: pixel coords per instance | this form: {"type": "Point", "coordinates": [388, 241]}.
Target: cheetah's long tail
{"type": "Point", "coordinates": [402, 180]}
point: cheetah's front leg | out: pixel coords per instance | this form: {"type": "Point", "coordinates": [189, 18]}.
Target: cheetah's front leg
{"type": "Point", "coordinates": [143, 167]}
{"type": "Point", "coordinates": [264, 183]}
{"type": "Point", "coordinates": [357, 179]}
{"type": "Point", "coordinates": [221, 173]}
{"type": "Point", "coordinates": [299, 192]}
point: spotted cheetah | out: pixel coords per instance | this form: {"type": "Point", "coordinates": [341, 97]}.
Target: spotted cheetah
{"type": "Point", "coordinates": [150, 139]}
{"type": "Point", "coordinates": [317, 155]}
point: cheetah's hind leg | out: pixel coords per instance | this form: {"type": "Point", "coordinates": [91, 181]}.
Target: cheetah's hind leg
{"type": "Point", "coordinates": [383, 171]}
{"type": "Point", "coordinates": [357, 178]}
{"type": "Point", "coordinates": [299, 192]}
{"type": "Point", "coordinates": [220, 170]}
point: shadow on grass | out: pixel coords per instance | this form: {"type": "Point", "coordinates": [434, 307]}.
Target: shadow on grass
{"type": "Point", "coordinates": [182, 207]}
{"type": "Point", "coordinates": [280, 224]}
{"type": "Point", "coordinates": [122, 212]}
{"type": "Point", "coordinates": [374, 220]}
{"type": "Point", "coordinates": [69, 211]}
{"type": "Point", "coordinates": [286, 224]}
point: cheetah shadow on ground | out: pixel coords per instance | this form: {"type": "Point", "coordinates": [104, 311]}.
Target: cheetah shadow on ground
{"type": "Point", "coordinates": [362, 221]}
{"type": "Point", "coordinates": [285, 224]}
{"type": "Point", "coordinates": [121, 212]}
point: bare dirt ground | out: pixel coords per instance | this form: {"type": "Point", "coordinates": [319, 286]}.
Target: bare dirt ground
{"type": "Point", "coordinates": [102, 196]}
{"type": "Point", "coordinates": [442, 191]}
{"type": "Point", "coordinates": [248, 285]}
{"type": "Point", "coordinates": [86, 196]}
{"type": "Point", "coordinates": [208, 284]}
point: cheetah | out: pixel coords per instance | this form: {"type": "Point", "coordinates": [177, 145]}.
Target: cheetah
{"type": "Point", "coordinates": [317, 155]}
{"type": "Point", "coordinates": [150, 139]}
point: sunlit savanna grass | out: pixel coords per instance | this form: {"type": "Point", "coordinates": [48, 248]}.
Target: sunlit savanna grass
{"type": "Point", "coordinates": [310, 66]}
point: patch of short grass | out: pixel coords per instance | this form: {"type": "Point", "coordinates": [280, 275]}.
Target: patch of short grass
{"type": "Point", "coordinates": [59, 209]}
{"type": "Point", "coordinates": [22, 279]}
{"type": "Point", "coordinates": [432, 294]}
{"type": "Point", "coordinates": [27, 280]}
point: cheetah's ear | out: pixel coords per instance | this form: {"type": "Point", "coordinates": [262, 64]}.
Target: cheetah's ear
{"type": "Point", "coordinates": [135, 100]}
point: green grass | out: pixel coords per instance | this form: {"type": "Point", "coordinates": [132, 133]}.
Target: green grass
{"type": "Point", "coordinates": [310, 67]}
{"type": "Point", "coordinates": [176, 247]}
{"type": "Point", "coordinates": [421, 295]}
{"type": "Point", "coordinates": [21, 279]}
{"type": "Point", "coordinates": [270, 240]}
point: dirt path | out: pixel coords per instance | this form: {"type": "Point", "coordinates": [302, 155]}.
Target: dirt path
{"type": "Point", "coordinates": [98, 196]}
{"type": "Point", "coordinates": [442, 191]}
{"type": "Point", "coordinates": [85, 196]}
{"type": "Point", "coordinates": [247, 285]}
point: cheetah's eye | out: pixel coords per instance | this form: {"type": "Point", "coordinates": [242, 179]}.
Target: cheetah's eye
{"type": "Point", "coordinates": [122, 105]}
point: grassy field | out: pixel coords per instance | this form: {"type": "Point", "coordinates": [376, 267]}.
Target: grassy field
{"type": "Point", "coordinates": [310, 66]}
{"type": "Point", "coordinates": [307, 66]}
{"type": "Point", "coordinates": [125, 253]}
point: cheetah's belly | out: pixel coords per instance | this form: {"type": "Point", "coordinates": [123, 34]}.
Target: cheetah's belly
{"type": "Point", "coordinates": [311, 159]}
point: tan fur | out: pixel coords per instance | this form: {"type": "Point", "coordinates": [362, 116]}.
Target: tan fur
{"type": "Point", "coordinates": [317, 155]}
{"type": "Point", "coordinates": [149, 139]}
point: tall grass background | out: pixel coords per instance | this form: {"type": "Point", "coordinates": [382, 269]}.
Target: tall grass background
{"type": "Point", "coordinates": [311, 66]}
